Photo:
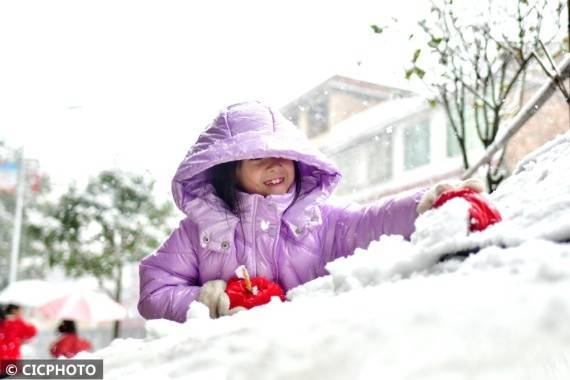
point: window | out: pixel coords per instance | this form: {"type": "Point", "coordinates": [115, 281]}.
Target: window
{"type": "Point", "coordinates": [472, 138]}
{"type": "Point", "coordinates": [318, 119]}
{"type": "Point", "coordinates": [417, 145]}
{"type": "Point", "coordinates": [379, 158]}
{"type": "Point", "coordinates": [365, 164]}
{"type": "Point", "coordinates": [453, 148]}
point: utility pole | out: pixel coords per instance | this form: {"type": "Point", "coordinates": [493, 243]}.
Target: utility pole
{"type": "Point", "coordinates": [18, 214]}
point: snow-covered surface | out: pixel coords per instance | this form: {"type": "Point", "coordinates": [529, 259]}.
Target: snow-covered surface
{"type": "Point", "coordinates": [390, 312]}
{"type": "Point", "coordinates": [534, 203]}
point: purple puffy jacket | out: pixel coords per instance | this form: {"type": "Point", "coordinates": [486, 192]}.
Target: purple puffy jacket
{"type": "Point", "coordinates": [283, 240]}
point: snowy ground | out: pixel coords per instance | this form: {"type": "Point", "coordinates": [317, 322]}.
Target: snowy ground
{"type": "Point", "coordinates": [390, 313]}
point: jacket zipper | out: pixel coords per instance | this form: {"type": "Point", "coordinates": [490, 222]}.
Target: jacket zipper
{"type": "Point", "coordinates": [275, 253]}
{"type": "Point", "coordinates": [253, 242]}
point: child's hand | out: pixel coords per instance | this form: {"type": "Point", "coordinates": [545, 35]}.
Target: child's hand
{"type": "Point", "coordinates": [213, 294]}
{"type": "Point", "coordinates": [481, 212]}
{"type": "Point", "coordinates": [429, 198]}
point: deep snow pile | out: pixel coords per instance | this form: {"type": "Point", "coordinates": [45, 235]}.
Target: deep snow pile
{"type": "Point", "coordinates": [391, 312]}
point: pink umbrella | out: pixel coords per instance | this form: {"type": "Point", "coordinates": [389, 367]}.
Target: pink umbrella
{"type": "Point", "coordinates": [84, 305]}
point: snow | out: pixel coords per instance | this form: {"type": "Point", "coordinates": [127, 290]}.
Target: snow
{"type": "Point", "coordinates": [534, 203]}
{"type": "Point", "coordinates": [393, 312]}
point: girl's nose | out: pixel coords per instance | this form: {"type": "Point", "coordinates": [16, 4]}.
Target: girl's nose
{"type": "Point", "coordinates": [274, 161]}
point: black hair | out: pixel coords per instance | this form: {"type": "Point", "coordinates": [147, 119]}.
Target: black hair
{"type": "Point", "coordinates": [67, 327]}
{"type": "Point", "coordinates": [2, 314]}
{"type": "Point", "coordinates": [224, 179]}
{"type": "Point", "coordinates": [10, 308]}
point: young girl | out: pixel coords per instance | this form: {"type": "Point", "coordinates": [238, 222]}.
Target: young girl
{"type": "Point", "coordinates": [254, 190]}
{"type": "Point", "coordinates": [14, 331]}
{"type": "Point", "coordinates": [69, 343]}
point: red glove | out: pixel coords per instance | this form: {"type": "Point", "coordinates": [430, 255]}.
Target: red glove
{"type": "Point", "coordinates": [481, 212]}
{"type": "Point", "coordinates": [240, 296]}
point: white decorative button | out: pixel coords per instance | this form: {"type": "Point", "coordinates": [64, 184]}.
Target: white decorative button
{"type": "Point", "coordinates": [225, 245]}
{"type": "Point", "coordinates": [264, 225]}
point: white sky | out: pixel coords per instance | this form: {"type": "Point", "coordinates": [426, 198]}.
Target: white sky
{"type": "Point", "coordinates": [91, 85]}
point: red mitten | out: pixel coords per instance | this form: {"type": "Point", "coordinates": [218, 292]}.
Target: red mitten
{"type": "Point", "coordinates": [239, 295]}
{"type": "Point", "coordinates": [481, 212]}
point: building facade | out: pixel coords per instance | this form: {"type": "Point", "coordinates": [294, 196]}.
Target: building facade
{"type": "Point", "coordinates": [386, 140]}
{"type": "Point", "coordinates": [383, 139]}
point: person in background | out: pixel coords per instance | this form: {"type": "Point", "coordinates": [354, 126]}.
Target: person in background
{"type": "Point", "coordinates": [13, 332]}
{"type": "Point", "coordinates": [3, 344]}
{"type": "Point", "coordinates": [69, 344]}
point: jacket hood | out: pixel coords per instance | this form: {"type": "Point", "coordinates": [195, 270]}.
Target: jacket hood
{"type": "Point", "coordinates": [245, 131]}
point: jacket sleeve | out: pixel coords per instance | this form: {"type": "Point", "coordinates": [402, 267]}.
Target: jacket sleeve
{"type": "Point", "coordinates": [348, 228]}
{"type": "Point", "coordinates": [83, 345]}
{"type": "Point", "coordinates": [25, 330]}
{"type": "Point", "coordinates": [169, 279]}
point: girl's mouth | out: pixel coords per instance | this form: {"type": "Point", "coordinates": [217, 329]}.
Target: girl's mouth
{"type": "Point", "coordinates": [274, 182]}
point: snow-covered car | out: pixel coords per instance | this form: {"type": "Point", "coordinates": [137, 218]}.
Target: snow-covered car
{"type": "Point", "coordinates": [395, 310]}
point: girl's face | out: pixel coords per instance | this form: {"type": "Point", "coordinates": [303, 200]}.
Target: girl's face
{"type": "Point", "coordinates": [266, 176]}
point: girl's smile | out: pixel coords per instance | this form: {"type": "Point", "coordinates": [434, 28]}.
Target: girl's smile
{"type": "Point", "coordinates": [274, 182]}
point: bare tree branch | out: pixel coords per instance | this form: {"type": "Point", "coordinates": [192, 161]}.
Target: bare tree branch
{"type": "Point", "coordinates": [526, 113]}
{"type": "Point", "coordinates": [477, 94]}
{"type": "Point", "coordinates": [515, 77]}
{"type": "Point", "coordinates": [556, 77]}
{"type": "Point", "coordinates": [550, 60]}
